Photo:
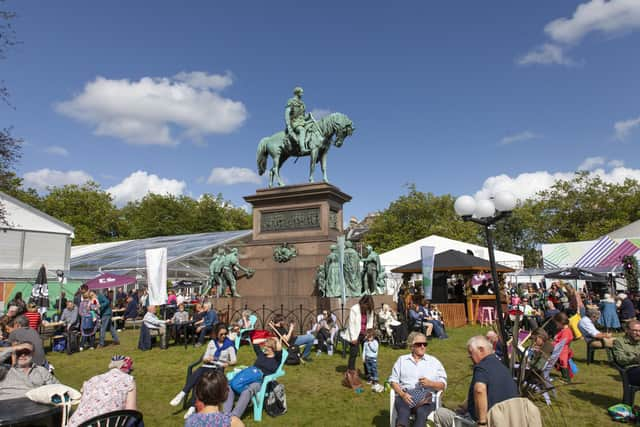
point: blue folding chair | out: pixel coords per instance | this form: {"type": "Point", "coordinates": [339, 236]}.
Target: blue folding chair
{"type": "Point", "coordinates": [252, 323]}
{"type": "Point", "coordinates": [258, 399]}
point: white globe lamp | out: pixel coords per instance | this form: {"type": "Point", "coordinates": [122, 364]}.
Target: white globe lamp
{"type": "Point", "coordinates": [505, 201]}
{"type": "Point", "coordinates": [465, 205]}
{"type": "Point", "coordinates": [485, 209]}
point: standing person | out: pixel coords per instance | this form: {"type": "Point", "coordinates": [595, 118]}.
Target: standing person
{"type": "Point", "coordinates": [61, 303]}
{"type": "Point", "coordinates": [370, 354]}
{"type": "Point", "coordinates": [609, 317]}
{"type": "Point", "coordinates": [360, 319]}
{"type": "Point", "coordinates": [114, 390]}
{"type": "Point", "coordinates": [77, 297]}
{"type": "Point", "coordinates": [415, 372]}
{"type": "Point", "coordinates": [491, 383]}
{"type": "Point", "coordinates": [211, 392]}
{"type": "Point", "coordinates": [564, 333]}
{"type": "Point", "coordinates": [220, 353]}
{"type": "Point", "coordinates": [105, 321]}
{"type": "Point", "coordinates": [120, 295]}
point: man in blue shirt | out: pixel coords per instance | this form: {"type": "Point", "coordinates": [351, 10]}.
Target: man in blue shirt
{"type": "Point", "coordinates": [491, 383]}
{"type": "Point", "coordinates": [208, 321]}
{"type": "Point", "coordinates": [105, 319]}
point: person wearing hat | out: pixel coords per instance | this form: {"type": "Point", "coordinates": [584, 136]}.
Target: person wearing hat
{"type": "Point", "coordinates": [112, 391]}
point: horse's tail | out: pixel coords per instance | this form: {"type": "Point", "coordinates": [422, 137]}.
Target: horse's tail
{"type": "Point", "coordinates": [261, 156]}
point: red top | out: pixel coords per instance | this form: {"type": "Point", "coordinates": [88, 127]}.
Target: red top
{"type": "Point", "coordinates": [566, 353]}
{"type": "Point", "coordinates": [363, 323]}
{"type": "Point", "coordinates": [34, 319]}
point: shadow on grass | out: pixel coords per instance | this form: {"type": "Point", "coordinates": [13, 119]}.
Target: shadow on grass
{"type": "Point", "coordinates": [341, 369]}
{"type": "Point", "coordinates": [597, 399]}
{"type": "Point", "coordinates": [382, 419]}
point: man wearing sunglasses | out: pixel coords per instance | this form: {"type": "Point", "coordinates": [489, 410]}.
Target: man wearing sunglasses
{"type": "Point", "coordinates": [23, 375]}
{"type": "Point", "coordinates": [416, 376]}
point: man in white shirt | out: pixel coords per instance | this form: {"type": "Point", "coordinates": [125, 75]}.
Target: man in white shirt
{"type": "Point", "coordinates": [152, 322]}
{"type": "Point", "coordinates": [411, 373]}
{"type": "Point", "coordinates": [591, 334]}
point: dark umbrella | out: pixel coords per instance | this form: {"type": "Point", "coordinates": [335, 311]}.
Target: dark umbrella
{"type": "Point", "coordinates": [575, 273]}
{"type": "Point", "coordinates": [40, 290]}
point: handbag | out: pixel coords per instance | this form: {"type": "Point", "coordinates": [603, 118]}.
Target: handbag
{"type": "Point", "coordinates": [420, 396]}
{"type": "Point", "coordinates": [58, 395]}
{"type": "Point", "coordinates": [352, 379]}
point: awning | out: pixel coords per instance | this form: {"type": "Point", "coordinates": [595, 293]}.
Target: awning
{"type": "Point", "coordinates": [575, 273]}
{"type": "Point", "coordinates": [109, 280]}
{"type": "Point", "coordinates": [453, 261]}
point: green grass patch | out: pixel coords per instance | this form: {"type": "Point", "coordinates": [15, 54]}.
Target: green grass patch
{"type": "Point", "coordinates": [315, 396]}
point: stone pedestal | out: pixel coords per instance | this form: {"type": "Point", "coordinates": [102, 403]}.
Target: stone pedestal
{"type": "Point", "coordinates": [310, 218]}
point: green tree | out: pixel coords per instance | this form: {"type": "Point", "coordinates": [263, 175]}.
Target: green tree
{"type": "Point", "coordinates": [417, 215]}
{"type": "Point", "coordinates": [88, 208]}
{"type": "Point", "coordinates": [159, 215]}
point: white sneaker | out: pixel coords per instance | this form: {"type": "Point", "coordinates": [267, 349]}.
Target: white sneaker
{"type": "Point", "coordinates": [80, 348]}
{"type": "Point", "coordinates": [318, 353]}
{"type": "Point", "coordinates": [377, 388]}
{"type": "Point", "coordinates": [176, 400]}
{"type": "Point", "coordinates": [190, 411]}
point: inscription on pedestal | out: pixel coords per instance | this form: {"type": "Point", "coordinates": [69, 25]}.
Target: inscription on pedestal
{"type": "Point", "coordinates": [299, 219]}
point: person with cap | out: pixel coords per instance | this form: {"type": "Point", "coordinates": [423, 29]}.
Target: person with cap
{"type": "Point", "coordinates": [114, 390]}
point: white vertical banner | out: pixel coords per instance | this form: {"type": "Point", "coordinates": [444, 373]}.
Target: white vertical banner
{"type": "Point", "coordinates": [157, 275]}
{"type": "Point", "coordinates": [427, 255]}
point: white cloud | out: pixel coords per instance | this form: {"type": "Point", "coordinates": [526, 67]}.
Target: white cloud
{"type": "Point", "coordinates": [56, 150]}
{"type": "Point", "coordinates": [519, 137]}
{"type": "Point", "coordinates": [44, 178]}
{"type": "Point", "coordinates": [319, 113]}
{"type": "Point", "coordinates": [591, 162]}
{"type": "Point", "coordinates": [526, 185]}
{"type": "Point", "coordinates": [202, 80]}
{"type": "Point", "coordinates": [610, 17]}
{"type": "Point", "coordinates": [624, 128]}
{"type": "Point", "coordinates": [615, 163]}
{"type": "Point", "coordinates": [140, 183]}
{"type": "Point", "coordinates": [233, 175]}
{"type": "Point", "coordinates": [143, 112]}
{"type": "Point", "coordinates": [546, 54]}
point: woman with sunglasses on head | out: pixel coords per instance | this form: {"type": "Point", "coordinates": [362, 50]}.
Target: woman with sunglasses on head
{"type": "Point", "coordinates": [415, 378]}
{"type": "Point", "coordinates": [220, 353]}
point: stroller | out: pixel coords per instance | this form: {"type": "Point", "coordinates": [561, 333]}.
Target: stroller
{"type": "Point", "coordinates": [88, 331]}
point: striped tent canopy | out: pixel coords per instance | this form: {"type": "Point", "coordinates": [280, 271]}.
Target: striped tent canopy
{"type": "Point", "coordinates": [598, 251]}
{"type": "Point", "coordinates": [614, 258]}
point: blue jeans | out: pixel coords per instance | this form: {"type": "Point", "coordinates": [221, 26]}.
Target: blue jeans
{"type": "Point", "coordinates": [106, 324]}
{"type": "Point", "coordinates": [438, 329]}
{"type": "Point", "coordinates": [306, 340]}
{"type": "Point", "coordinates": [371, 366]}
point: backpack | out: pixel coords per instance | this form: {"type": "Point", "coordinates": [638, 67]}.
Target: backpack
{"type": "Point", "coordinates": [294, 356]}
{"type": "Point", "coordinates": [59, 345]}
{"type": "Point", "coordinates": [242, 379]}
{"type": "Point", "coordinates": [276, 401]}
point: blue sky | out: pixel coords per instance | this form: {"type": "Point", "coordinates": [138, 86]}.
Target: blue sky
{"type": "Point", "coordinates": [456, 97]}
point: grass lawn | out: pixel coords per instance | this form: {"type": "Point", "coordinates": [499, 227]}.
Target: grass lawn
{"type": "Point", "coordinates": [315, 396]}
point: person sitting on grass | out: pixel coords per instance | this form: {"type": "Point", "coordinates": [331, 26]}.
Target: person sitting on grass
{"type": "Point", "coordinates": [416, 376]}
{"type": "Point", "coordinates": [114, 390]}
{"type": "Point", "coordinates": [24, 374]}
{"type": "Point", "coordinates": [220, 353]}
{"type": "Point", "coordinates": [211, 391]}
{"type": "Point", "coordinates": [491, 383]}
{"type": "Point", "coordinates": [267, 361]}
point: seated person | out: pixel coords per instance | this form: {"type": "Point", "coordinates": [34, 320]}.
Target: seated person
{"type": "Point", "coordinates": [179, 321]}
{"type": "Point", "coordinates": [24, 374]}
{"type": "Point", "coordinates": [211, 391]}
{"type": "Point", "coordinates": [531, 317]}
{"type": "Point", "coordinates": [416, 317]}
{"type": "Point", "coordinates": [626, 351]}
{"type": "Point", "coordinates": [131, 311]}
{"type": "Point", "coordinates": [69, 317]}
{"type": "Point", "coordinates": [268, 361]}
{"type": "Point", "coordinates": [324, 330]}
{"type": "Point", "coordinates": [390, 320]}
{"type": "Point", "coordinates": [290, 338]}
{"type": "Point", "coordinates": [245, 320]}
{"type": "Point", "coordinates": [495, 341]}
{"type": "Point", "coordinates": [592, 336]}
{"type": "Point", "coordinates": [540, 350]}
{"type": "Point", "coordinates": [412, 373]}
{"type": "Point", "coordinates": [21, 332]}
{"type": "Point", "coordinates": [205, 326]}
{"type": "Point", "coordinates": [428, 318]}
{"type": "Point", "coordinates": [33, 316]}
{"type": "Point", "coordinates": [114, 390]}
{"type": "Point", "coordinates": [220, 353]}
{"type": "Point", "coordinates": [491, 383]}
{"type": "Point", "coordinates": [152, 322]}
